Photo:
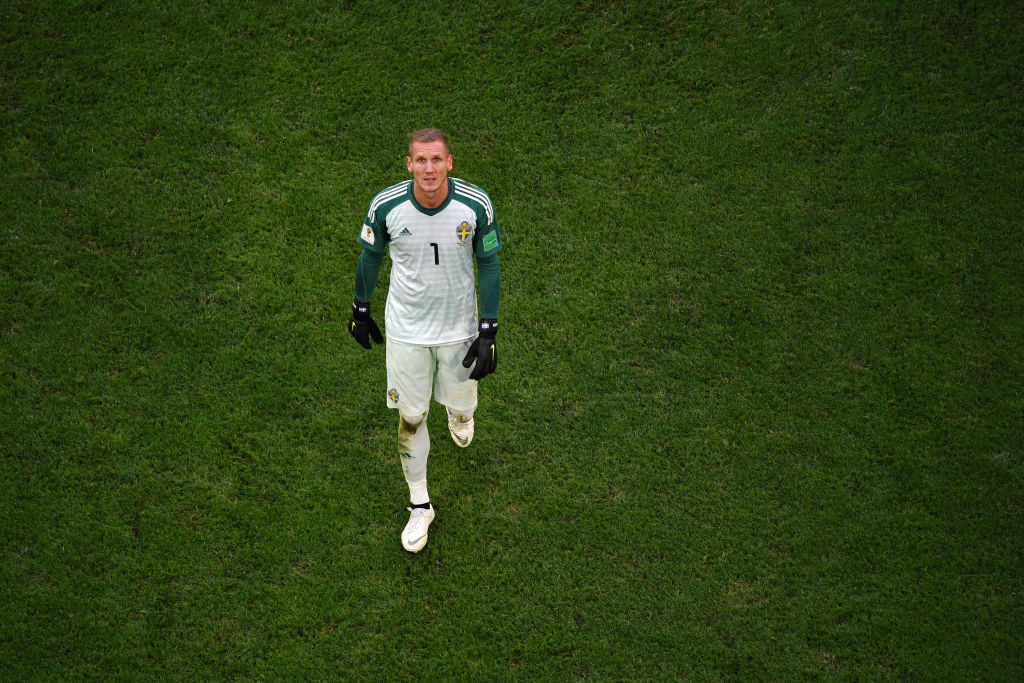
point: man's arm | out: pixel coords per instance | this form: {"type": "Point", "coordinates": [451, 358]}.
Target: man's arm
{"type": "Point", "coordinates": [367, 273]}
{"type": "Point", "coordinates": [362, 326]}
{"type": "Point", "coordinates": [489, 274]}
{"type": "Point", "coordinates": [483, 350]}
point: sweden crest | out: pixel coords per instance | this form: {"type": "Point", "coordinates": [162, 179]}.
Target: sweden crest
{"type": "Point", "coordinates": [463, 232]}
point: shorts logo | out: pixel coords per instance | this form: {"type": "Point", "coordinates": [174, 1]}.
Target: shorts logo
{"type": "Point", "coordinates": [463, 232]}
{"type": "Point", "coordinates": [393, 395]}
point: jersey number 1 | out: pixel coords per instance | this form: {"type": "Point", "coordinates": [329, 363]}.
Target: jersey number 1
{"type": "Point", "coordinates": [434, 245]}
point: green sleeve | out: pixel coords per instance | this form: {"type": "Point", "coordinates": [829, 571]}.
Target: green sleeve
{"type": "Point", "coordinates": [490, 285]}
{"type": "Point", "coordinates": [367, 273]}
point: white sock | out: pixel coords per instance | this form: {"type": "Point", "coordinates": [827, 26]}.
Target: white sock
{"type": "Point", "coordinates": [466, 415]}
{"type": "Point", "coordinates": [414, 448]}
{"type": "Point", "coordinates": [418, 492]}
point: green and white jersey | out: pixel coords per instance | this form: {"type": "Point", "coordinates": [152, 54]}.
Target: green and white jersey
{"type": "Point", "coordinates": [432, 295]}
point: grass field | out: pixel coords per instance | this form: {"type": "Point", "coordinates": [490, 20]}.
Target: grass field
{"type": "Point", "coordinates": [758, 411]}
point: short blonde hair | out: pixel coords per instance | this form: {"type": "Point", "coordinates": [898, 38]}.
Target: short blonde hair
{"type": "Point", "coordinates": [429, 135]}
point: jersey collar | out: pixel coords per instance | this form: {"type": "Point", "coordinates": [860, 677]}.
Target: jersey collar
{"type": "Point", "coordinates": [439, 209]}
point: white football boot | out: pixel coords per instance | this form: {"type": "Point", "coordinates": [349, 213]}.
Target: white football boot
{"type": "Point", "coordinates": [461, 429]}
{"type": "Point", "coordinates": [414, 537]}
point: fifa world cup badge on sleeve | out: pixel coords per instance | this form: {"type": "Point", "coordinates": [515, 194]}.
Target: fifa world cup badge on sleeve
{"type": "Point", "coordinates": [490, 241]}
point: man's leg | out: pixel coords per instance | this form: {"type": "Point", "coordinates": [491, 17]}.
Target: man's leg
{"type": "Point", "coordinates": [414, 448]}
{"type": "Point", "coordinates": [457, 392]}
{"type": "Point", "coordinates": [410, 382]}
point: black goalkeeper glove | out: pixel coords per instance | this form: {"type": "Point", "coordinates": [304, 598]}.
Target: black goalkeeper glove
{"type": "Point", "coordinates": [483, 350]}
{"type": "Point", "coordinates": [362, 327]}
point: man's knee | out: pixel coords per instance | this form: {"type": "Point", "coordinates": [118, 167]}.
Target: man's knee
{"type": "Point", "coordinates": [407, 426]}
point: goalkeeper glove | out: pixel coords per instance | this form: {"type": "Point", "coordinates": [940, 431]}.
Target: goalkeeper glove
{"type": "Point", "coordinates": [483, 350]}
{"type": "Point", "coordinates": [362, 327]}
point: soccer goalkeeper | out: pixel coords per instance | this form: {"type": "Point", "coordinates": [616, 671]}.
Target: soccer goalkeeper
{"type": "Point", "coordinates": [434, 226]}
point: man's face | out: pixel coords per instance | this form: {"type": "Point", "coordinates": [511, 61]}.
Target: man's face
{"type": "Point", "coordinates": [429, 163]}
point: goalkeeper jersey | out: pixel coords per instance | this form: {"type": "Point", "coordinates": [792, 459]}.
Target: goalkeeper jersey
{"type": "Point", "coordinates": [432, 294]}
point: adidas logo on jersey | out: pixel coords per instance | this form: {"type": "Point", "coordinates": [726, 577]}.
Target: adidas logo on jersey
{"type": "Point", "coordinates": [405, 233]}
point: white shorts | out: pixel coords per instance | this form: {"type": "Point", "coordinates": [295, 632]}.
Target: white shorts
{"type": "Point", "coordinates": [414, 372]}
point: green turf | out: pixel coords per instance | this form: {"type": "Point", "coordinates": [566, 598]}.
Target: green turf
{"type": "Point", "coordinates": [758, 411]}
